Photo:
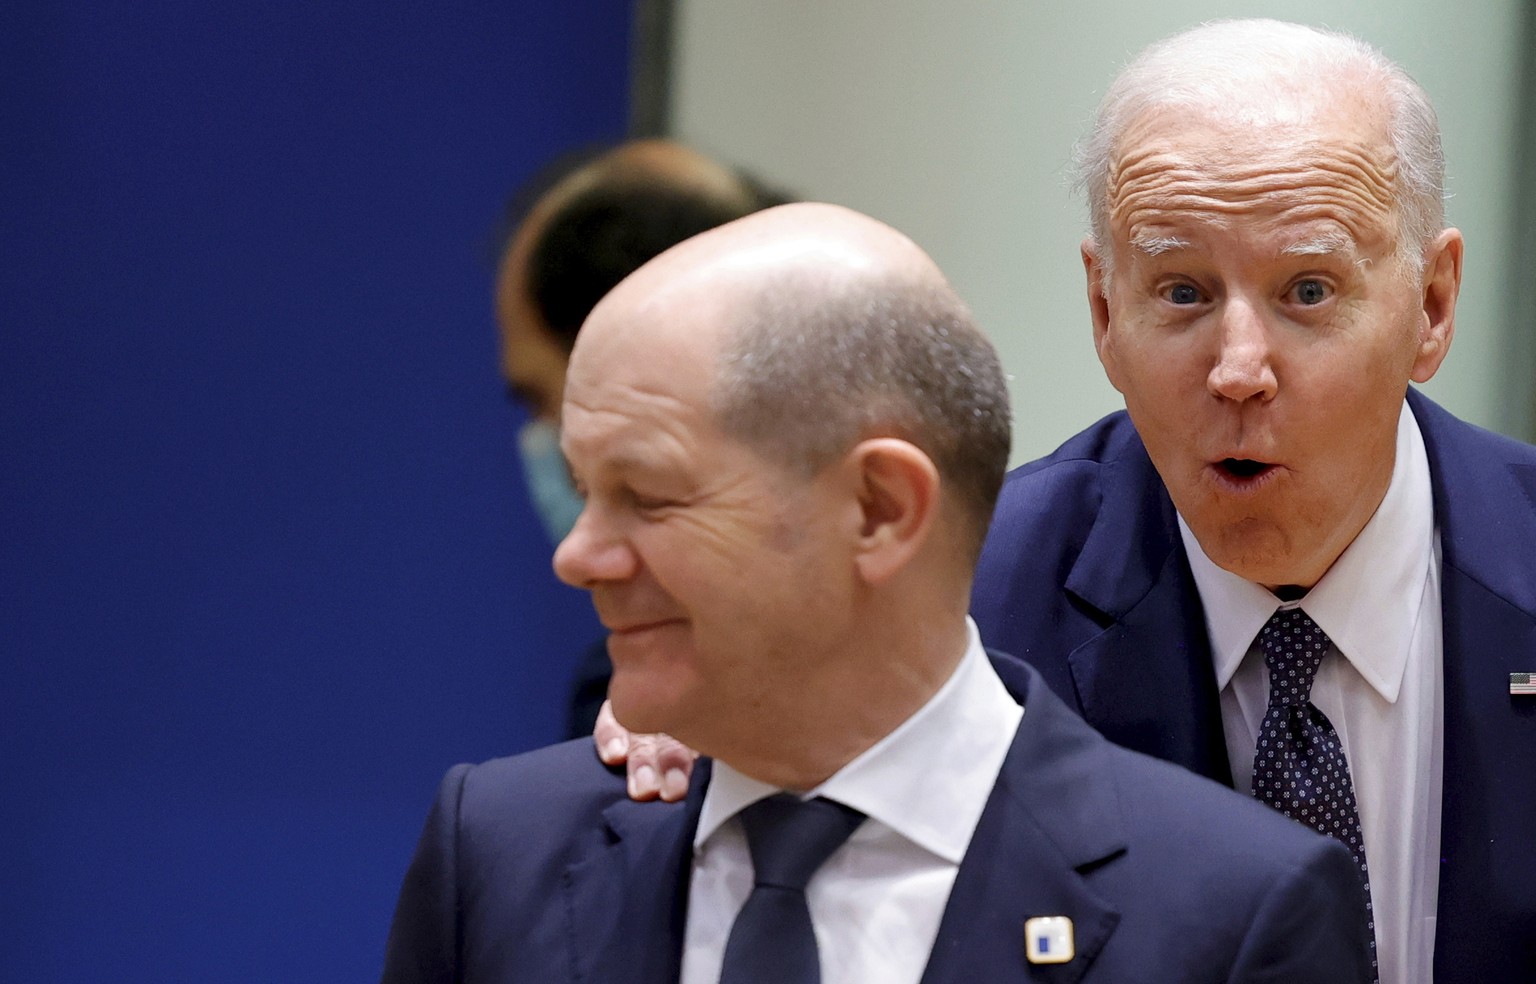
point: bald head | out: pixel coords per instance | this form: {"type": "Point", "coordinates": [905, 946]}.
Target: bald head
{"type": "Point", "coordinates": [823, 327]}
{"type": "Point", "coordinates": [789, 436]}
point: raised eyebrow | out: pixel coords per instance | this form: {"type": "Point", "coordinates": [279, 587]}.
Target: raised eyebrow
{"type": "Point", "coordinates": [1157, 245]}
{"type": "Point", "coordinates": [1326, 244]}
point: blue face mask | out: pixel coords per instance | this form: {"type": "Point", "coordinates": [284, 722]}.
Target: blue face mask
{"type": "Point", "coordinates": [549, 481]}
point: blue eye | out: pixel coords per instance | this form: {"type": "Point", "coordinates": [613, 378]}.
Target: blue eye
{"type": "Point", "coordinates": [1183, 294]}
{"type": "Point", "coordinates": [1311, 292]}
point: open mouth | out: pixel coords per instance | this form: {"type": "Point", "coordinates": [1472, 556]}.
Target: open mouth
{"type": "Point", "coordinates": [1244, 468]}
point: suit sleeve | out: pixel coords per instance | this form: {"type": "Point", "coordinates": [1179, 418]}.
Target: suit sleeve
{"type": "Point", "coordinates": [1310, 928]}
{"type": "Point", "coordinates": [423, 938]}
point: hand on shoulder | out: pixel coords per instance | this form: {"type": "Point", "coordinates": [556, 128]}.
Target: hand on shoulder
{"type": "Point", "coordinates": [659, 766]}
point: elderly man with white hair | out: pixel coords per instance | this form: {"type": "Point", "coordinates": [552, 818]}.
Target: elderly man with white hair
{"type": "Point", "coordinates": [1283, 567]}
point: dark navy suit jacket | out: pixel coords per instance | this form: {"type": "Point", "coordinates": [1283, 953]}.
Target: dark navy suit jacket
{"type": "Point", "coordinates": [539, 869]}
{"type": "Point", "coordinates": [1085, 576]}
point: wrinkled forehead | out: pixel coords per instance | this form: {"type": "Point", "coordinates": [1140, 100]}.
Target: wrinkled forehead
{"type": "Point", "coordinates": [1323, 164]}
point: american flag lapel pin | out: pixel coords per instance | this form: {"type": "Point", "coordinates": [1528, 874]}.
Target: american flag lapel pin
{"type": "Point", "coordinates": [1522, 684]}
{"type": "Point", "coordinates": [1048, 939]}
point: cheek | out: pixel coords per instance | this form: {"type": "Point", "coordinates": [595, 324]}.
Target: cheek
{"type": "Point", "coordinates": [1367, 361]}
{"type": "Point", "coordinates": [708, 564]}
{"type": "Point", "coordinates": [1391, 310]}
{"type": "Point", "coordinates": [1158, 370]}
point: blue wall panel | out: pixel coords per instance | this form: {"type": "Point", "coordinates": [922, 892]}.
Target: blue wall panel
{"type": "Point", "coordinates": [266, 563]}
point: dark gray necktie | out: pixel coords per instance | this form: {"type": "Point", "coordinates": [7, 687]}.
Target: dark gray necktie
{"type": "Point", "coordinates": [772, 941]}
{"type": "Point", "coordinates": [1299, 766]}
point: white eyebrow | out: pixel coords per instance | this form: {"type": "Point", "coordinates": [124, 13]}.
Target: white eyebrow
{"type": "Point", "coordinates": [1157, 245]}
{"type": "Point", "coordinates": [1328, 242]}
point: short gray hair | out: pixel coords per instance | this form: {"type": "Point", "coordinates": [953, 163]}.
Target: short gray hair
{"type": "Point", "coordinates": [820, 362]}
{"type": "Point", "coordinates": [1198, 68]}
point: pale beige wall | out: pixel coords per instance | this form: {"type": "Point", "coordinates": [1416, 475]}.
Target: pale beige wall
{"type": "Point", "coordinates": [953, 120]}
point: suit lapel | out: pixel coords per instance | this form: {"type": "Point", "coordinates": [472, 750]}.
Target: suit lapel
{"type": "Point", "coordinates": [1053, 814]}
{"type": "Point", "coordinates": [1484, 508]}
{"type": "Point", "coordinates": [1152, 658]}
{"type": "Point", "coordinates": [627, 895]}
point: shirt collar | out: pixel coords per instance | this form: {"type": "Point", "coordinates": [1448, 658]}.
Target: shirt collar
{"type": "Point", "coordinates": [1367, 603]}
{"type": "Point", "coordinates": [910, 780]}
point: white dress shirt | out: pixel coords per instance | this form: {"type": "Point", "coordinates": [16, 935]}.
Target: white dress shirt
{"type": "Point", "coordinates": [1380, 605]}
{"type": "Point", "coordinates": [877, 901]}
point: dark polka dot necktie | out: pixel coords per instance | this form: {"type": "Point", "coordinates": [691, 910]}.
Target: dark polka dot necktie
{"type": "Point", "coordinates": [1299, 766]}
{"type": "Point", "coordinates": [772, 940]}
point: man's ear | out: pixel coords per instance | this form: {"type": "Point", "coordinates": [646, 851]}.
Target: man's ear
{"type": "Point", "coordinates": [1442, 284]}
{"type": "Point", "coordinates": [1098, 309]}
{"type": "Point", "coordinates": [897, 487]}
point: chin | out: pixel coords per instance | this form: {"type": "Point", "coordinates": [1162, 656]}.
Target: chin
{"type": "Point", "coordinates": [1253, 550]}
{"type": "Point", "coordinates": [1267, 569]}
{"type": "Point", "coordinates": [641, 706]}
{"type": "Point", "coordinates": [639, 716]}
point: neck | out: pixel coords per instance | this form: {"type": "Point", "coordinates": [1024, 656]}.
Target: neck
{"type": "Point", "coordinates": [864, 692]}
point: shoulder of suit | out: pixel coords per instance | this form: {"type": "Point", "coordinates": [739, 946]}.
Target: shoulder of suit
{"type": "Point", "coordinates": [1062, 491]}
{"type": "Point", "coordinates": [1103, 441]}
{"type": "Point", "coordinates": [1448, 438]}
{"type": "Point", "coordinates": [565, 780]}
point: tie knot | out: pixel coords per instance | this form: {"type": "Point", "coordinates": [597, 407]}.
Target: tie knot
{"type": "Point", "coordinates": [790, 838]}
{"type": "Point", "coordinates": [1294, 647]}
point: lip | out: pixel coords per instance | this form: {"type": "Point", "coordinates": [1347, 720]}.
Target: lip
{"type": "Point", "coordinates": [1238, 474]}
{"type": "Point", "coordinates": [636, 628]}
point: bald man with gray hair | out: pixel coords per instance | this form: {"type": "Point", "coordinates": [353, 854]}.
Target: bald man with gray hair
{"type": "Point", "coordinates": [789, 435]}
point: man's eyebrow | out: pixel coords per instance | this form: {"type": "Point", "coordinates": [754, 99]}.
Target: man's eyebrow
{"type": "Point", "coordinates": [1157, 245]}
{"type": "Point", "coordinates": [1328, 242]}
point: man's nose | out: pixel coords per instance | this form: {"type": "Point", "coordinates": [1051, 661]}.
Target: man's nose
{"type": "Point", "coordinates": [1243, 368]}
{"type": "Point", "coordinates": [594, 551]}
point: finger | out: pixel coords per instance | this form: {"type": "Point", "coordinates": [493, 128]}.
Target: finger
{"type": "Point", "coordinates": [674, 763]}
{"type": "Point", "coordinates": [609, 735]}
{"type": "Point", "coordinates": [644, 779]}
